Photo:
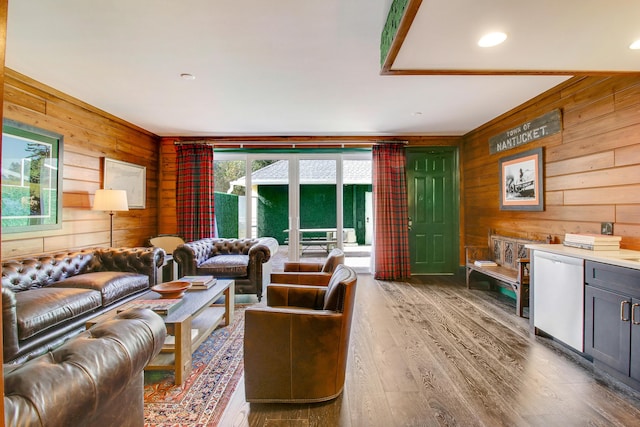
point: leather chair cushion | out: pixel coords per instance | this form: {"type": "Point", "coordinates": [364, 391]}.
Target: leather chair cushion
{"type": "Point", "coordinates": [232, 265]}
{"type": "Point", "coordinates": [112, 285]}
{"type": "Point", "coordinates": [334, 296]}
{"type": "Point", "coordinates": [335, 258]}
{"type": "Point", "coordinates": [43, 308]}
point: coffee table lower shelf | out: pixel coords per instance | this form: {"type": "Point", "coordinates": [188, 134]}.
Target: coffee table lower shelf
{"type": "Point", "coordinates": [179, 353]}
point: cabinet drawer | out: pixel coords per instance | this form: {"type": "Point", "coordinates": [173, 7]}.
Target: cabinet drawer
{"type": "Point", "coordinates": [614, 278]}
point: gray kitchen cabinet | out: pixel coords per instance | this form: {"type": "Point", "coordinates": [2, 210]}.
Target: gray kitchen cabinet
{"type": "Point", "coordinates": [612, 320]}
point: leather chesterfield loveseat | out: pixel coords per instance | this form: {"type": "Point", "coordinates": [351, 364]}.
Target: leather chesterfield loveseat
{"type": "Point", "coordinates": [94, 379]}
{"type": "Point", "coordinates": [246, 261]}
{"type": "Point", "coordinates": [47, 299]}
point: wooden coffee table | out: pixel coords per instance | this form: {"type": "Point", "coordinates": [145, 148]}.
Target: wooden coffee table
{"type": "Point", "coordinates": [188, 326]}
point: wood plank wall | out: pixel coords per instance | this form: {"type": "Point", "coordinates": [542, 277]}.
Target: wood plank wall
{"type": "Point", "coordinates": [89, 135]}
{"type": "Point", "coordinates": [167, 223]}
{"type": "Point", "coordinates": [167, 185]}
{"type": "Point", "coordinates": [591, 168]}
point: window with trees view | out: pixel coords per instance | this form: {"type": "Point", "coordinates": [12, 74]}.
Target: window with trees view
{"type": "Point", "coordinates": [31, 173]}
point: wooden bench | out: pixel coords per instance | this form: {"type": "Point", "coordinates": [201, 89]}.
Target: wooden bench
{"type": "Point", "coordinates": [512, 269]}
{"type": "Point", "coordinates": [327, 244]}
{"type": "Point", "coordinates": [316, 237]}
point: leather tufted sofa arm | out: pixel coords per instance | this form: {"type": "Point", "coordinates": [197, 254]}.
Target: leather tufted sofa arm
{"type": "Point", "coordinates": [142, 260]}
{"type": "Point", "coordinates": [259, 254]}
{"type": "Point", "coordinates": [9, 322]}
{"type": "Point", "coordinates": [93, 379]}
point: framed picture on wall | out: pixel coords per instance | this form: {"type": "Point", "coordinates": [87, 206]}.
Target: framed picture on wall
{"type": "Point", "coordinates": [132, 178]}
{"type": "Point", "coordinates": [31, 178]}
{"type": "Point", "coordinates": [521, 183]}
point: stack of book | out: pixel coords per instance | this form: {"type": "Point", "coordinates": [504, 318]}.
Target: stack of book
{"type": "Point", "coordinates": [594, 242]}
{"type": "Point", "coordinates": [164, 307]}
{"type": "Point", "coordinates": [199, 282]}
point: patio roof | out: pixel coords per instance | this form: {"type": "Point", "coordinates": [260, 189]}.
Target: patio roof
{"type": "Point", "coordinates": [311, 172]}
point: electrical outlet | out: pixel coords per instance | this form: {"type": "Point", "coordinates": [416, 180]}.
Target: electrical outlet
{"type": "Point", "coordinates": [606, 228]}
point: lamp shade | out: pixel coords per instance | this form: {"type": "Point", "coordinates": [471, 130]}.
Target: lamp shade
{"type": "Point", "coordinates": [110, 200]}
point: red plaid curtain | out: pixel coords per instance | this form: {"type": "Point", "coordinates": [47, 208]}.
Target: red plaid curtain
{"type": "Point", "coordinates": [194, 192]}
{"type": "Point", "coordinates": [390, 212]}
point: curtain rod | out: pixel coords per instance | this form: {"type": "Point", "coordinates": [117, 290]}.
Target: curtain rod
{"type": "Point", "coordinates": [286, 143]}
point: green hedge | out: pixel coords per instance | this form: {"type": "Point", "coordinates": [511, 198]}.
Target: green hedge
{"type": "Point", "coordinates": [15, 203]}
{"type": "Point", "coordinates": [317, 209]}
{"type": "Point", "coordinates": [226, 208]}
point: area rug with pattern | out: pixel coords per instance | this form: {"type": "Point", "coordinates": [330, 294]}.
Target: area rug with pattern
{"type": "Point", "coordinates": [202, 398]}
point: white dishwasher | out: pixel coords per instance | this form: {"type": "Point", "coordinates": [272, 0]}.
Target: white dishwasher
{"type": "Point", "coordinates": [558, 297]}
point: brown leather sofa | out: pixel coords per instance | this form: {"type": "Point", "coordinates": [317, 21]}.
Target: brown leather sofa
{"type": "Point", "coordinates": [309, 273]}
{"type": "Point", "coordinates": [94, 379]}
{"type": "Point", "coordinates": [47, 299]}
{"type": "Point", "coordinates": [295, 348]}
{"type": "Point", "coordinates": [244, 260]}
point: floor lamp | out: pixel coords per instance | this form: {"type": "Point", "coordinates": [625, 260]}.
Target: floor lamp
{"type": "Point", "coordinates": [110, 201]}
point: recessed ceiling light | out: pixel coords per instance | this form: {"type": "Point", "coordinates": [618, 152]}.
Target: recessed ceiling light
{"type": "Point", "coordinates": [187, 76]}
{"type": "Point", "coordinates": [492, 39]}
{"type": "Point", "coordinates": [635, 45]}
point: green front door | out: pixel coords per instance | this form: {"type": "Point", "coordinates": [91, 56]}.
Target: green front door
{"type": "Point", "coordinates": [433, 210]}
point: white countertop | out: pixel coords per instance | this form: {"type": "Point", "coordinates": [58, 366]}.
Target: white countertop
{"type": "Point", "coordinates": [622, 257]}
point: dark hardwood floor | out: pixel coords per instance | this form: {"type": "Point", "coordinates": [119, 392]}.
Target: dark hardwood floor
{"type": "Point", "coordinates": [432, 353]}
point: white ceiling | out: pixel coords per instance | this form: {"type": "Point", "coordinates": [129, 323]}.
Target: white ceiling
{"type": "Point", "coordinates": [543, 35]}
{"type": "Point", "coordinates": [294, 67]}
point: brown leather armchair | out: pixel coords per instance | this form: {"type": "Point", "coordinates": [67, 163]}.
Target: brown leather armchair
{"type": "Point", "coordinates": [309, 273]}
{"type": "Point", "coordinates": [295, 348]}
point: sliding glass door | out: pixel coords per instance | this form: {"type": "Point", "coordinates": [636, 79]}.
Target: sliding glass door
{"type": "Point", "coordinates": [357, 212]}
{"type": "Point", "coordinates": [317, 206]}
{"type": "Point", "coordinates": [302, 200]}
